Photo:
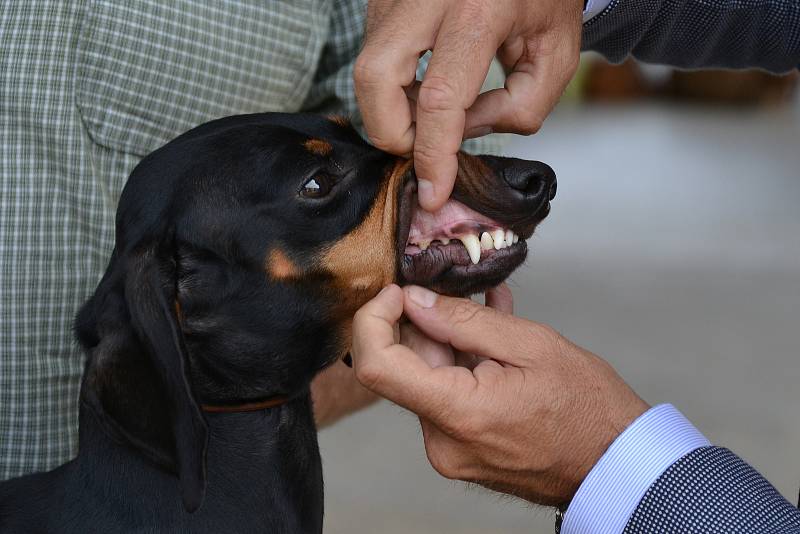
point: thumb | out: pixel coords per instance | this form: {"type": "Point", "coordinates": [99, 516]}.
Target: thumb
{"type": "Point", "coordinates": [471, 327]}
{"type": "Point", "coordinates": [396, 372]}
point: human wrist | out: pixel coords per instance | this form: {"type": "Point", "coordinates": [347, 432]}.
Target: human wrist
{"type": "Point", "coordinates": [601, 433]}
{"type": "Point", "coordinates": [615, 485]}
{"type": "Point", "coordinates": [336, 393]}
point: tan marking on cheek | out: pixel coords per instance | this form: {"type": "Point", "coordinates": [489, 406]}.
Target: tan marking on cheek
{"type": "Point", "coordinates": [365, 260]}
{"type": "Point", "coordinates": [318, 147]}
{"type": "Point", "coordinates": [280, 266]}
{"type": "Point", "coordinates": [340, 120]}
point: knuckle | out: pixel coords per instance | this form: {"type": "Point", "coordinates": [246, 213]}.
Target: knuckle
{"type": "Point", "coordinates": [370, 375]}
{"type": "Point", "coordinates": [437, 93]}
{"type": "Point", "coordinates": [366, 70]}
{"type": "Point", "coordinates": [360, 321]}
{"type": "Point", "coordinates": [359, 317]}
{"type": "Point", "coordinates": [526, 122]}
{"type": "Point", "coordinates": [443, 461]}
{"type": "Point", "coordinates": [383, 143]}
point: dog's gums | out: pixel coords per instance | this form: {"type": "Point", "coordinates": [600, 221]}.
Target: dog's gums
{"type": "Point", "coordinates": [477, 239]}
{"type": "Point", "coordinates": [480, 235]}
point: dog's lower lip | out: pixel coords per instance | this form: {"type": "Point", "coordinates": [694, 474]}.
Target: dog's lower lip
{"type": "Point", "coordinates": [452, 262]}
{"type": "Point", "coordinates": [463, 257]}
{"type": "Point", "coordinates": [448, 268]}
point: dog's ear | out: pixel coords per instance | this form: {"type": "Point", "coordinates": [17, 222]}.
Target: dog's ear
{"type": "Point", "coordinates": [136, 379]}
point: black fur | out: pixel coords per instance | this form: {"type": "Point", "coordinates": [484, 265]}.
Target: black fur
{"type": "Point", "coordinates": [188, 313]}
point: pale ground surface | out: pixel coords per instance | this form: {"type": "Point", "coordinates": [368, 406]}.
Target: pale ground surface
{"type": "Point", "coordinates": [673, 250]}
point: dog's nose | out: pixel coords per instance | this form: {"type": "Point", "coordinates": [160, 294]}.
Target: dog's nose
{"type": "Point", "coordinates": [535, 180]}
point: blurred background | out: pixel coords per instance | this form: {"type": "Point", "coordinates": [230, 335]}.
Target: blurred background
{"type": "Point", "coordinates": [672, 250]}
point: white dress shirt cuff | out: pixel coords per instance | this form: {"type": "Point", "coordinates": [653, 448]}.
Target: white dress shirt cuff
{"type": "Point", "coordinates": [594, 8]}
{"type": "Point", "coordinates": [613, 488]}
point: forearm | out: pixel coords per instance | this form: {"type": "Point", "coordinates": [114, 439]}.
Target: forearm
{"type": "Point", "coordinates": [336, 393]}
{"type": "Point", "coordinates": [690, 34]}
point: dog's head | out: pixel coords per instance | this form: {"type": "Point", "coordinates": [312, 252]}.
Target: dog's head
{"type": "Point", "coordinates": [243, 249]}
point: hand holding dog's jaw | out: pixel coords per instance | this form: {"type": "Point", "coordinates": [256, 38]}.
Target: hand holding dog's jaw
{"type": "Point", "coordinates": [529, 420]}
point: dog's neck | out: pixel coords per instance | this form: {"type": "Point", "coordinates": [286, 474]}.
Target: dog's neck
{"type": "Point", "coordinates": [263, 466]}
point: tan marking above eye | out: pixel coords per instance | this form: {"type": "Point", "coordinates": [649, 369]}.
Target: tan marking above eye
{"type": "Point", "coordinates": [318, 147]}
{"type": "Point", "coordinates": [280, 267]}
{"type": "Point", "coordinates": [340, 120]}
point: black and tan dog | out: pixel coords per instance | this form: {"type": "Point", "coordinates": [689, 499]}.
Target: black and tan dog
{"type": "Point", "coordinates": [243, 248]}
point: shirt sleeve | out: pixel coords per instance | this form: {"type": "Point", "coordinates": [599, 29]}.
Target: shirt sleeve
{"type": "Point", "coordinates": [594, 8]}
{"type": "Point", "coordinates": [332, 90]}
{"type": "Point", "coordinates": [616, 484]}
{"type": "Point", "coordinates": [731, 34]}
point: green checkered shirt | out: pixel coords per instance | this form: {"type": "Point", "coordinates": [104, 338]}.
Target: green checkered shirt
{"type": "Point", "coordinates": [86, 90]}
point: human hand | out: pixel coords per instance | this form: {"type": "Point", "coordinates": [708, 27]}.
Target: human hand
{"type": "Point", "coordinates": [531, 420]}
{"type": "Point", "coordinates": [537, 42]}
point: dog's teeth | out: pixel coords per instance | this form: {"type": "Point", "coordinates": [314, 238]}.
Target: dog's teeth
{"type": "Point", "coordinates": [487, 243]}
{"type": "Point", "coordinates": [509, 238]}
{"type": "Point", "coordinates": [516, 238]}
{"type": "Point", "coordinates": [499, 238]}
{"type": "Point", "coordinates": [473, 246]}
{"type": "Point", "coordinates": [423, 245]}
{"type": "Point", "coordinates": [445, 240]}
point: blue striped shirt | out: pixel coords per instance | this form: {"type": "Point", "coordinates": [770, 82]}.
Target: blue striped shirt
{"type": "Point", "coordinates": [611, 492]}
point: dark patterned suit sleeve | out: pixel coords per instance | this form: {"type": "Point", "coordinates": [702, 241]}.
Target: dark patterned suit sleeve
{"type": "Point", "coordinates": [712, 491]}
{"type": "Point", "coordinates": [699, 33]}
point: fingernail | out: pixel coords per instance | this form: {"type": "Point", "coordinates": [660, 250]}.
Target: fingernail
{"type": "Point", "coordinates": [425, 191]}
{"type": "Point", "coordinates": [382, 291]}
{"type": "Point", "coordinates": [424, 298]}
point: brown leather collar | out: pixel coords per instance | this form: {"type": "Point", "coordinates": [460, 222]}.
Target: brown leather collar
{"type": "Point", "coordinates": [271, 402]}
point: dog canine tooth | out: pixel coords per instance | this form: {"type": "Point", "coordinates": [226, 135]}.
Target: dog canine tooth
{"type": "Point", "coordinates": [473, 246]}
{"type": "Point", "coordinates": [445, 240]}
{"type": "Point", "coordinates": [516, 238]}
{"type": "Point", "coordinates": [423, 245]}
{"type": "Point", "coordinates": [499, 238]}
{"type": "Point", "coordinates": [509, 238]}
{"type": "Point", "coordinates": [487, 243]}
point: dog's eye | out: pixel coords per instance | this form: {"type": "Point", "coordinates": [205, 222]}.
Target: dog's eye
{"type": "Point", "coordinates": [317, 187]}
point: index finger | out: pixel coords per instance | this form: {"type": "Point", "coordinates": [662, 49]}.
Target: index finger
{"type": "Point", "coordinates": [396, 372]}
{"type": "Point", "coordinates": [460, 61]}
{"type": "Point", "coordinates": [385, 67]}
